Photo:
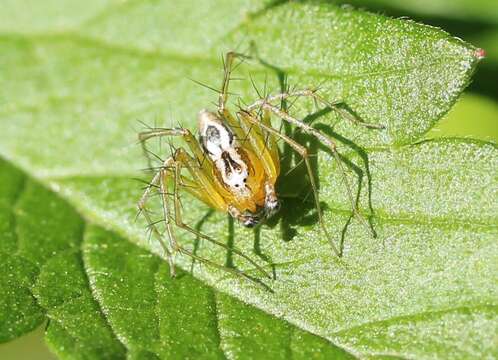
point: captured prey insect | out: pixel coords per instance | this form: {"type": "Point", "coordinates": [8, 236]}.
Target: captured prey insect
{"type": "Point", "coordinates": [234, 166]}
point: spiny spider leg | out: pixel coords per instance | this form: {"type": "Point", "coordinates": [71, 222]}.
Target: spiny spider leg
{"type": "Point", "coordinates": [223, 96]}
{"type": "Point", "coordinates": [333, 105]}
{"type": "Point", "coordinates": [172, 166]}
{"type": "Point", "coordinates": [165, 206]}
{"type": "Point", "coordinates": [332, 146]}
{"type": "Point", "coordinates": [185, 158]}
{"type": "Point", "coordinates": [218, 266]}
{"type": "Point", "coordinates": [249, 136]}
{"type": "Point", "coordinates": [162, 132]}
{"type": "Point", "coordinates": [228, 67]}
{"type": "Point", "coordinates": [151, 224]}
{"type": "Point", "coordinates": [304, 154]}
{"type": "Point", "coordinates": [176, 247]}
{"type": "Point", "coordinates": [313, 94]}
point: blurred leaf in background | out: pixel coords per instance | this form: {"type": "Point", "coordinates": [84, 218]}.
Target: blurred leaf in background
{"type": "Point", "coordinates": [75, 79]}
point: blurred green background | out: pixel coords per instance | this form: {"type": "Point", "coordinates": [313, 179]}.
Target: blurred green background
{"type": "Point", "coordinates": [475, 115]}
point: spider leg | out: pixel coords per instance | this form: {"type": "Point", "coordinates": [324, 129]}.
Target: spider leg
{"type": "Point", "coordinates": [333, 105]}
{"type": "Point", "coordinates": [228, 68]}
{"type": "Point", "coordinates": [263, 144]}
{"type": "Point", "coordinates": [142, 207]}
{"type": "Point", "coordinates": [182, 158]}
{"type": "Point", "coordinates": [211, 196]}
{"type": "Point", "coordinates": [301, 150]}
{"type": "Point", "coordinates": [171, 166]}
{"type": "Point", "coordinates": [243, 132]}
{"type": "Point", "coordinates": [166, 132]}
{"type": "Point", "coordinates": [223, 96]}
{"type": "Point", "coordinates": [177, 162]}
{"type": "Point", "coordinates": [333, 148]}
{"type": "Point", "coordinates": [202, 161]}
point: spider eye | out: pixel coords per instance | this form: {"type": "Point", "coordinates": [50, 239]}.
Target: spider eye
{"type": "Point", "coordinates": [236, 185]}
{"type": "Point", "coordinates": [245, 180]}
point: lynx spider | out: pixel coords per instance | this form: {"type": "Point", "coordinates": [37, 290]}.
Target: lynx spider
{"type": "Point", "coordinates": [233, 176]}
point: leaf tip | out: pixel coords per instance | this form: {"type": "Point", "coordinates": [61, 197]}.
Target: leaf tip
{"type": "Point", "coordinates": [480, 54]}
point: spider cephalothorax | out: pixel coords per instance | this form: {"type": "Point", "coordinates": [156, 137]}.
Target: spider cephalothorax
{"type": "Point", "coordinates": [234, 166]}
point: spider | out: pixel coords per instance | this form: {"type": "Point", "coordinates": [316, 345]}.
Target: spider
{"type": "Point", "coordinates": [234, 166]}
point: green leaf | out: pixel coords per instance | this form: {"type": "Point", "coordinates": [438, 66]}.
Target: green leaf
{"type": "Point", "coordinates": [70, 99]}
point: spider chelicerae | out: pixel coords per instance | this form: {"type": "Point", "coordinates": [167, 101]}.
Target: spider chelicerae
{"type": "Point", "coordinates": [234, 166]}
